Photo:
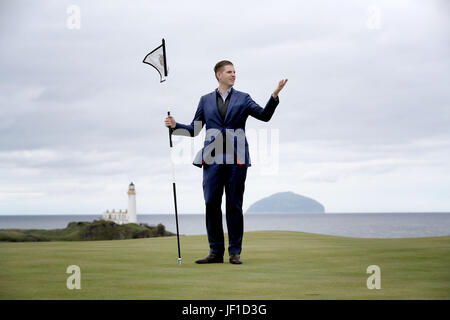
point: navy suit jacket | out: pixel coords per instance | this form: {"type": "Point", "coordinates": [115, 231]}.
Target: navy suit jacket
{"type": "Point", "coordinates": [225, 140]}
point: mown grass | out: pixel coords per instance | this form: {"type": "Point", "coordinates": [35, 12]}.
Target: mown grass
{"type": "Point", "coordinates": [277, 265]}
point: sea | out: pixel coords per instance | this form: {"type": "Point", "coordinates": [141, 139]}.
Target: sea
{"type": "Point", "coordinates": [359, 225]}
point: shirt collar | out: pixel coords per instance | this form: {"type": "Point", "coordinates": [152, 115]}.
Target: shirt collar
{"type": "Point", "coordinates": [226, 93]}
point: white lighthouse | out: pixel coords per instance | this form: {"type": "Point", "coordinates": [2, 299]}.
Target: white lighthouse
{"type": "Point", "coordinates": [126, 216]}
{"type": "Point", "coordinates": [131, 204]}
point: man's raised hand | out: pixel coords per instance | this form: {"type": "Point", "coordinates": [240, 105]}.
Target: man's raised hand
{"type": "Point", "coordinates": [279, 87]}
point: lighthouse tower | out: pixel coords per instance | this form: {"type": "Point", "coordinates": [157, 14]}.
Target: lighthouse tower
{"type": "Point", "coordinates": [132, 204]}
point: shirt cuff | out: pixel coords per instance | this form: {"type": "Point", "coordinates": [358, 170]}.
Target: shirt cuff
{"type": "Point", "coordinates": [173, 129]}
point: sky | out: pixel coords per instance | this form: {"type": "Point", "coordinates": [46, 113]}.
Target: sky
{"type": "Point", "coordinates": [362, 124]}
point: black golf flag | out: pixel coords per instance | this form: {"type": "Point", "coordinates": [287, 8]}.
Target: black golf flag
{"type": "Point", "coordinates": [157, 59]}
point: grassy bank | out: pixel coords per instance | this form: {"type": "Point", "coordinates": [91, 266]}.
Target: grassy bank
{"type": "Point", "coordinates": [78, 231]}
{"type": "Point", "coordinates": [277, 265]}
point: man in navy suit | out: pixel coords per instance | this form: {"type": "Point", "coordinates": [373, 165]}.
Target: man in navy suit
{"type": "Point", "coordinates": [225, 156]}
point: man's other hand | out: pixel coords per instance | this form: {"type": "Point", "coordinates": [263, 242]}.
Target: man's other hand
{"type": "Point", "coordinates": [170, 122]}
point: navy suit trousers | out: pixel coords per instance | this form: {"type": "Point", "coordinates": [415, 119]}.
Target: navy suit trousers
{"type": "Point", "coordinates": [216, 178]}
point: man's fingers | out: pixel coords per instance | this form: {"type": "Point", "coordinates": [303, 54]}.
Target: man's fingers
{"type": "Point", "coordinates": [282, 83]}
{"type": "Point", "coordinates": [169, 122]}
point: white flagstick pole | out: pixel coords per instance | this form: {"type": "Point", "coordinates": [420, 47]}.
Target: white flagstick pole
{"type": "Point", "coordinates": [172, 165]}
{"type": "Point", "coordinates": [174, 190]}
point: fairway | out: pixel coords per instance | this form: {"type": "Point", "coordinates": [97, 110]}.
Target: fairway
{"type": "Point", "coordinates": [276, 265]}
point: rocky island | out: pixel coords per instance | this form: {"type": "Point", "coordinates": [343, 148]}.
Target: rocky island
{"type": "Point", "coordinates": [286, 202]}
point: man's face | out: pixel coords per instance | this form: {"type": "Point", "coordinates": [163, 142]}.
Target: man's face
{"type": "Point", "coordinates": [227, 76]}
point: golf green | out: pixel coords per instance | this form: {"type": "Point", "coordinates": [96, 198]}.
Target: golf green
{"type": "Point", "coordinates": [276, 265]}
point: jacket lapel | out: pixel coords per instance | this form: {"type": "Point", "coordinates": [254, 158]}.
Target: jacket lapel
{"type": "Point", "coordinates": [214, 104]}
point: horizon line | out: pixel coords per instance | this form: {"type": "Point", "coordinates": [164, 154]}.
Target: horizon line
{"type": "Point", "coordinates": [202, 213]}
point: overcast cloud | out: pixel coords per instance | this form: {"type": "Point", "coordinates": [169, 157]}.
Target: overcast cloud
{"type": "Point", "coordinates": [363, 122]}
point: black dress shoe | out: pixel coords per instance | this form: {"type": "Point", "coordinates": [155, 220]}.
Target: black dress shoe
{"type": "Point", "coordinates": [211, 258]}
{"type": "Point", "coordinates": [235, 259]}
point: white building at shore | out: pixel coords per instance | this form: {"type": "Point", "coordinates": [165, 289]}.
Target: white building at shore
{"type": "Point", "coordinates": [125, 216]}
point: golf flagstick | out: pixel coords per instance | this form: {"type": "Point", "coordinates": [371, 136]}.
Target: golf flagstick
{"type": "Point", "coordinates": [174, 191]}
{"type": "Point", "coordinates": [157, 59]}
